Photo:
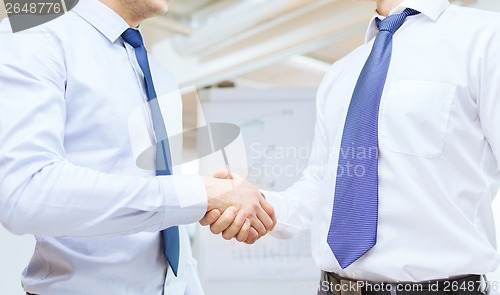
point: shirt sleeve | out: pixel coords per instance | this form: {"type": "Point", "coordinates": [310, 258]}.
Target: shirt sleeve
{"type": "Point", "coordinates": [295, 206]}
{"type": "Point", "coordinates": [489, 86]}
{"type": "Point", "coordinates": [41, 192]}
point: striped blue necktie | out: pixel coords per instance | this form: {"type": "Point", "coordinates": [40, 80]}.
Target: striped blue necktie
{"type": "Point", "coordinates": [163, 160]}
{"type": "Point", "coordinates": [353, 228]}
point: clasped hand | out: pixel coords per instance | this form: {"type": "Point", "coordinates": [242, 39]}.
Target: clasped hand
{"type": "Point", "coordinates": [236, 208]}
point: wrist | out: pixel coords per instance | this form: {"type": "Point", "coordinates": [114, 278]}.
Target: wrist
{"type": "Point", "coordinates": [217, 193]}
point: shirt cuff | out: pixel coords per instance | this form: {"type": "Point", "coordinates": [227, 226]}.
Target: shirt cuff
{"type": "Point", "coordinates": [283, 228]}
{"type": "Point", "coordinates": [185, 198]}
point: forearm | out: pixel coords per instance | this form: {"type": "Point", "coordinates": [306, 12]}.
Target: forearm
{"type": "Point", "coordinates": [63, 199]}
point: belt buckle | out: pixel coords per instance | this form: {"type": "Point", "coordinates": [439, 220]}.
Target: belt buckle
{"type": "Point", "coordinates": [350, 287]}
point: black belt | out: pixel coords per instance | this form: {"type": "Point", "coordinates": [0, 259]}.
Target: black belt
{"type": "Point", "coordinates": [336, 285]}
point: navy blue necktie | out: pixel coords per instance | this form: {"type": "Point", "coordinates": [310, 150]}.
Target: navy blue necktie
{"type": "Point", "coordinates": [163, 158]}
{"type": "Point", "coordinates": [353, 228]}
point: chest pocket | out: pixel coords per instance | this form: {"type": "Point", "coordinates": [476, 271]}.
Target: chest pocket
{"type": "Point", "coordinates": [414, 117]}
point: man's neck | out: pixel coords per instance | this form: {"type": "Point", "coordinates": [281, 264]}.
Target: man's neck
{"type": "Point", "coordinates": [117, 7]}
{"type": "Point", "coordinates": [384, 7]}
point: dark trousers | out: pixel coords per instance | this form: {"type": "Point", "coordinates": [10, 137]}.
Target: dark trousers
{"type": "Point", "coordinates": [331, 284]}
{"type": "Point", "coordinates": [322, 292]}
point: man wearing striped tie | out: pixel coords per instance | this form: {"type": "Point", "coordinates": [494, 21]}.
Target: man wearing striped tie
{"type": "Point", "coordinates": [75, 92]}
{"type": "Point", "coordinates": [406, 157]}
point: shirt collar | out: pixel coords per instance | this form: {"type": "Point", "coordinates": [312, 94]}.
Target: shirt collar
{"type": "Point", "coordinates": [101, 17]}
{"type": "Point", "coordinates": [429, 8]}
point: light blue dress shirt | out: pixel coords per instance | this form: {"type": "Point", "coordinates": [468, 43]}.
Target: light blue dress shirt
{"type": "Point", "coordinates": [68, 172]}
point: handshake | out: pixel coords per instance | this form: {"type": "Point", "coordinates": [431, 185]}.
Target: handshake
{"type": "Point", "coordinates": [236, 208]}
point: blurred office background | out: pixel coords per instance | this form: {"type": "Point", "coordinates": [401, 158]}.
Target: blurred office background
{"type": "Point", "coordinates": [246, 55]}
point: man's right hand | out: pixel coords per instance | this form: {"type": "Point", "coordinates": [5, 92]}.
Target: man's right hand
{"type": "Point", "coordinates": [237, 209]}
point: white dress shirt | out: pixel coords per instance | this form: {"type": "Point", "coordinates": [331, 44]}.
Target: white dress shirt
{"type": "Point", "coordinates": [439, 150]}
{"type": "Point", "coordinates": [68, 171]}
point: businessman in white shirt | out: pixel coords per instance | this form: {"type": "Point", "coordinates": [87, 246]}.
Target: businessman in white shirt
{"type": "Point", "coordinates": [406, 157]}
{"type": "Point", "coordinates": [68, 172]}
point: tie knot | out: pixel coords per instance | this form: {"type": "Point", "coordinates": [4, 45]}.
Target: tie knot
{"type": "Point", "coordinates": [395, 21]}
{"type": "Point", "coordinates": [133, 37]}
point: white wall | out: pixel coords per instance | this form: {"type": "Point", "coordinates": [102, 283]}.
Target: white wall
{"type": "Point", "coordinates": [493, 5]}
{"type": "Point", "coordinates": [15, 253]}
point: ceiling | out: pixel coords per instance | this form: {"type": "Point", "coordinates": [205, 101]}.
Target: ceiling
{"type": "Point", "coordinates": [260, 43]}
{"type": "Point", "coordinates": [257, 43]}
{"type": "Point", "coordinates": [188, 7]}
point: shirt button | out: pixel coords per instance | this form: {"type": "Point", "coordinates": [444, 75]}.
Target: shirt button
{"type": "Point", "coordinates": [352, 274]}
